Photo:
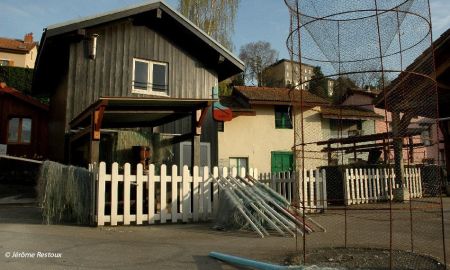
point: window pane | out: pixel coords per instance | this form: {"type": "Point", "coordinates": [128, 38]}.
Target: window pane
{"type": "Point", "coordinates": [140, 75]}
{"type": "Point", "coordinates": [13, 130]}
{"type": "Point", "coordinates": [282, 117]}
{"type": "Point", "coordinates": [238, 163]}
{"type": "Point", "coordinates": [159, 77]}
{"type": "Point", "coordinates": [26, 130]}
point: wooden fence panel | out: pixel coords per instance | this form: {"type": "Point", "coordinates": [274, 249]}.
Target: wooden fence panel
{"type": "Point", "coordinates": [183, 197]}
{"type": "Point", "coordinates": [374, 185]}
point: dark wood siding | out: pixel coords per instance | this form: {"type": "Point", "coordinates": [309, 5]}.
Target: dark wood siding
{"type": "Point", "coordinates": [209, 133]}
{"type": "Point", "coordinates": [111, 73]}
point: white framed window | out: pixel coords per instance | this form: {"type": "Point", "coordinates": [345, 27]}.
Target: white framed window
{"type": "Point", "coordinates": [238, 163]}
{"type": "Point", "coordinates": [19, 130]}
{"type": "Point", "coordinates": [150, 77]}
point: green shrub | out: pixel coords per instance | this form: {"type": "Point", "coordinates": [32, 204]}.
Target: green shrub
{"type": "Point", "coordinates": [17, 77]}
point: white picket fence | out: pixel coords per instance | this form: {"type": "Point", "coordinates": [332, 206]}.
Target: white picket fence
{"type": "Point", "coordinates": [314, 184]}
{"type": "Point", "coordinates": [150, 197]}
{"type": "Point", "coordinates": [373, 185]}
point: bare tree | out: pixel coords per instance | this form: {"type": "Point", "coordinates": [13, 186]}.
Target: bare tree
{"type": "Point", "coordinates": [215, 17]}
{"type": "Point", "coordinates": [257, 56]}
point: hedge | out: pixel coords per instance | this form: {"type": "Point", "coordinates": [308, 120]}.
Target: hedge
{"type": "Point", "coordinates": [17, 77]}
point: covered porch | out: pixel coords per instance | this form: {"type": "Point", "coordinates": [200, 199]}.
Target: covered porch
{"type": "Point", "coordinates": [109, 114]}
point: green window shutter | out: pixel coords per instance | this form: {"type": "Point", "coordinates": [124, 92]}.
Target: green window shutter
{"type": "Point", "coordinates": [282, 162]}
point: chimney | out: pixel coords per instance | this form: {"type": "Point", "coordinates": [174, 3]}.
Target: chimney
{"type": "Point", "coordinates": [28, 38]}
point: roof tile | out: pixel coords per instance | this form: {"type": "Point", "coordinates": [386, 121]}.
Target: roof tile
{"type": "Point", "coordinates": [16, 45]}
{"type": "Point", "coordinates": [278, 95]}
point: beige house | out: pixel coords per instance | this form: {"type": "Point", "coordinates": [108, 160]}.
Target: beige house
{"type": "Point", "coordinates": [18, 53]}
{"type": "Point", "coordinates": [261, 134]}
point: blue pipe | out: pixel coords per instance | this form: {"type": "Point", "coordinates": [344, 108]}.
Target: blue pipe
{"type": "Point", "coordinates": [250, 263]}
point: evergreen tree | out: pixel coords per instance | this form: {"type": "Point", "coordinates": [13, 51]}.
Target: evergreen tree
{"type": "Point", "coordinates": [318, 84]}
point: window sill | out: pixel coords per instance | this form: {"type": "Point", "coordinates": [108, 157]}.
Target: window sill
{"type": "Point", "coordinates": [149, 93]}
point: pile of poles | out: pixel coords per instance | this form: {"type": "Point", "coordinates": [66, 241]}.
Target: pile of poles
{"type": "Point", "coordinates": [263, 208]}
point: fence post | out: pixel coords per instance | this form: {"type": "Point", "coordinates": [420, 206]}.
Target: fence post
{"type": "Point", "coordinates": [114, 187]}
{"type": "Point", "coordinates": [196, 195]}
{"type": "Point", "coordinates": [126, 193]}
{"type": "Point", "coordinates": [186, 198]}
{"type": "Point", "coordinates": [366, 185]}
{"type": "Point", "coordinates": [101, 194]}
{"type": "Point", "coordinates": [163, 194]}
{"type": "Point", "coordinates": [206, 191]}
{"type": "Point", "coordinates": [151, 194]}
{"type": "Point", "coordinates": [348, 186]}
{"type": "Point", "coordinates": [377, 184]}
{"type": "Point", "coordinates": [311, 201]}
{"type": "Point", "coordinates": [273, 183]}
{"type": "Point", "coordinates": [139, 189]}
{"type": "Point", "coordinates": [93, 169]}
{"type": "Point", "coordinates": [419, 180]}
{"type": "Point", "coordinates": [174, 196]}
{"type": "Point", "coordinates": [317, 192]}
{"type": "Point", "coordinates": [215, 192]}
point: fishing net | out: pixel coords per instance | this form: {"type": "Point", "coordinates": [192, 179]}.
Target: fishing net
{"type": "Point", "coordinates": [376, 130]}
{"type": "Point", "coordinates": [64, 193]}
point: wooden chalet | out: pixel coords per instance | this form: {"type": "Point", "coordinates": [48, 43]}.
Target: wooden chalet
{"type": "Point", "coordinates": [23, 124]}
{"type": "Point", "coordinates": [144, 70]}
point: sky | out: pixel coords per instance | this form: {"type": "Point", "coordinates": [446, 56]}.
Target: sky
{"type": "Point", "coordinates": [265, 20]}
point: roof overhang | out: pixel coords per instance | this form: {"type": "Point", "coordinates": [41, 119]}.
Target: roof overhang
{"type": "Point", "coordinates": [20, 96]}
{"type": "Point", "coordinates": [123, 112]}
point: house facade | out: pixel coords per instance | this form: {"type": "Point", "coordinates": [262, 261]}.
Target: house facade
{"type": "Point", "coordinates": [261, 134]}
{"type": "Point", "coordinates": [23, 124]}
{"type": "Point", "coordinates": [18, 53]}
{"type": "Point", "coordinates": [140, 76]}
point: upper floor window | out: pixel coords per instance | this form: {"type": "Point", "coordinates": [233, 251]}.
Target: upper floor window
{"type": "Point", "coordinates": [283, 117]}
{"type": "Point", "coordinates": [150, 77]}
{"type": "Point", "coordinates": [19, 130]}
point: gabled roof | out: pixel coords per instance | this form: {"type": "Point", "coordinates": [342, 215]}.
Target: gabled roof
{"type": "Point", "coordinates": [5, 90]}
{"type": "Point", "coordinates": [278, 96]}
{"type": "Point", "coordinates": [173, 21]}
{"type": "Point", "coordinates": [348, 112]}
{"type": "Point", "coordinates": [16, 45]}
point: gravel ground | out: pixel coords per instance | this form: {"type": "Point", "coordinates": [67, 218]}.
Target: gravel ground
{"type": "Point", "coordinates": [364, 258]}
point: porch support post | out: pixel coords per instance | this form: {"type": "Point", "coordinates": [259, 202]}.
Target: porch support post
{"type": "Point", "coordinates": [94, 141]}
{"type": "Point", "coordinates": [198, 117]}
{"type": "Point", "coordinates": [195, 141]}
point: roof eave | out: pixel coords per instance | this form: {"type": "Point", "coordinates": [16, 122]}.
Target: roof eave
{"type": "Point", "coordinates": [70, 26]}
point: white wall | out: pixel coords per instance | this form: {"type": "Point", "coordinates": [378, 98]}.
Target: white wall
{"type": "Point", "coordinates": [315, 129]}
{"type": "Point", "coordinates": [255, 137]}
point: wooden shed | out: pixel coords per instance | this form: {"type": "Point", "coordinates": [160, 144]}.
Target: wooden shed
{"type": "Point", "coordinates": [23, 124]}
{"type": "Point", "coordinates": [144, 67]}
